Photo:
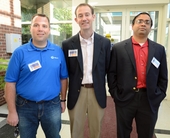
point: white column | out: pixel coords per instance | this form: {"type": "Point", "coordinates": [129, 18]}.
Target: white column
{"type": "Point", "coordinates": [75, 27]}
{"type": "Point", "coordinates": [168, 56]}
{"type": "Point", "coordinates": [162, 24]}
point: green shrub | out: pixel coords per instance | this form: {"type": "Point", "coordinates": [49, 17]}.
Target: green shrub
{"type": "Point", "coordinates": [3, 67]}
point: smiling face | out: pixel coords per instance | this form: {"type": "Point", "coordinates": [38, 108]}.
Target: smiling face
{"type": "Point", "coordinates": [84, 18]}
{"type": "Point", "coordinates": [40, 30]}
{"type": "Point", "coordinates": [142, 26]}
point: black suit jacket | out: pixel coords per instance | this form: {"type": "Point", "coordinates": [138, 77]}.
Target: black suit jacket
{"type": "Point", "coordinates": [101, 58]}
{"type": "Point", "coordinates": [122, 76]}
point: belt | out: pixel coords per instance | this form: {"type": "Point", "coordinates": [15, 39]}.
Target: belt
{"type": "Point", "coordinates": [140, 90]}
{"type": "Point", "coordinates": [87, 85]}
{"type": "Point", "coordinates": [38, 102]}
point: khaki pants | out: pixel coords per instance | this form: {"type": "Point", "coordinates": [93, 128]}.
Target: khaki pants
{"type": "Point", "coordinates": [86, 107]}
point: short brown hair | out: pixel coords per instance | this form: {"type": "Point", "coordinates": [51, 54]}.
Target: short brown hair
{"type": "Point", "coordinates": [41, 15]}
{"type": "Point", "coordinates": [85, 4]}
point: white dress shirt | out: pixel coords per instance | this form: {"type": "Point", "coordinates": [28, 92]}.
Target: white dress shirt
{"type": "Point", "coordinates": [87, 46]}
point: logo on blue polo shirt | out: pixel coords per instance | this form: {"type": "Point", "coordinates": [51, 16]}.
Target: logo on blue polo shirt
{"type": "Point", "coordinates": [53, 57]}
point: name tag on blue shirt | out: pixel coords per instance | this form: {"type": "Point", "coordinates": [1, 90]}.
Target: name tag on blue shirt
{"type": "Point", "coordinates": [34, 65]}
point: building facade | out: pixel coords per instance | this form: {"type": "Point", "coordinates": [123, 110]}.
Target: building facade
{"type": "Point", "coordinates": [10, 23]}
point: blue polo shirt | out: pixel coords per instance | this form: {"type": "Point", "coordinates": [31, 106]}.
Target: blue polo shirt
{"type": "Point", "coordinates": [37, 72]}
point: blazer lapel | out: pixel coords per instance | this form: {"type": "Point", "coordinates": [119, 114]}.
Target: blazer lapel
{"type": "Point", "coordinates": [129, 49]}
{"type": "Point", "coordinates": [76, 45]}
{"type": "Point", "coordinates": [96, 51]}
{"type": "Point", "coordinates": [151, 51]}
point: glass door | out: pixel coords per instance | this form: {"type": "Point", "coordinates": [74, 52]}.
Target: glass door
{"type": "Point", "coordinates": [109, 24]}
{"type": "Point", "coordinates": [118, 25]}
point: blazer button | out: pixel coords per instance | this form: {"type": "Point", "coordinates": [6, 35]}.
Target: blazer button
{"type": "Point", "coordinates": [135, 78]}
{"type": "Point", "coordinates": [78, 90]}
{"type": "Point", "coordinates": [134, 88]}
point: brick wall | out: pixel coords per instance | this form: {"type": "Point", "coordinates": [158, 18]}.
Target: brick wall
{"type": "Point", "coordinates": [10, 22]}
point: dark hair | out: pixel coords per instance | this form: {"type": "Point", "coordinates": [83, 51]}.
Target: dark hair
{"type": "Point", "coordinates": [41, 15]}
{"type": "Point", "coordinates": [133, 21]}
{"type": "Point", "coordinates": [85, 4]}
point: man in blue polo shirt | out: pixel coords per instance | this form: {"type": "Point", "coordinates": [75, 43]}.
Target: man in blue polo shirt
{"type": "Point", "coordinates": [36, 83]}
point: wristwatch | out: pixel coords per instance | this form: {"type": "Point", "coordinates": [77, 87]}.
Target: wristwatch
{"type": "Point", "coordinates": [63, 100]}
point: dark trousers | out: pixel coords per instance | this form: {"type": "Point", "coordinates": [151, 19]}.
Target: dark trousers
{"type": "Point", "coordinates": [139, 110]}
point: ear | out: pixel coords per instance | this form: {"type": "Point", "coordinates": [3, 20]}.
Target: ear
{"type": "Point", "coordinates": [75, 19]}
{"type": "Point", "coordinates": [94, 16]}
{"type": "Point", "coordinates": [132, 25]}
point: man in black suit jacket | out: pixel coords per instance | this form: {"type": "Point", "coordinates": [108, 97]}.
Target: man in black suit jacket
{"type": "Point", "coordinates": [137, 79]}
{"type": "Point", "coordinates": [87, 56]}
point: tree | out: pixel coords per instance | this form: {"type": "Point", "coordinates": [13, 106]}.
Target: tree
{"type": "Point", "coordinates": [63, 14]}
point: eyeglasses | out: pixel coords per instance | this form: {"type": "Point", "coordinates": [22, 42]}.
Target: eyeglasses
{"type": "Point", "coordinates": [140, 21]}
{"type": "Point", "coordinates": [16, 131]}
